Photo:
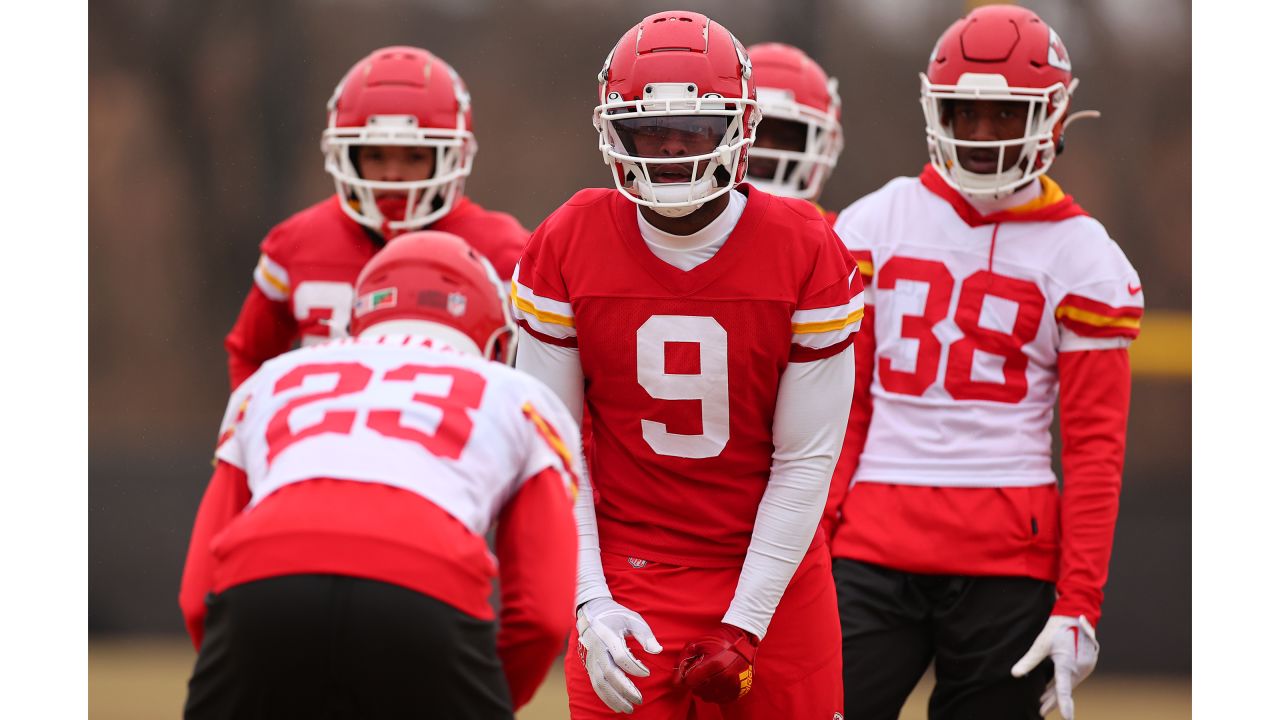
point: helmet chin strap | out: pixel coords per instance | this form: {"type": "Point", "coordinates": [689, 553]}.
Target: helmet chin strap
{"type": "Point", "coordinates": [676, 212]}
{"type": "Point", "coordinates": [984, 186]}
{"type": "Point", "coordinates": [676, 192]}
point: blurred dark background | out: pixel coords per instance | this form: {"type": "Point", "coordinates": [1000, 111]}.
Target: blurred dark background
{"type": "Point", "coordinates": [204, 131]}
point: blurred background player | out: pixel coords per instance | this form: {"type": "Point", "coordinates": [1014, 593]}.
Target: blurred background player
{"type": "Point", "coordinates": [995, 296]}
{"type": "Point", "coordinates": [708, 328]}
{"type": "Point", "coordinates": [342, 535]}
{"type": "Point", "coordinates": [799, 138]}
{"type": "Point", "coordinates": [399, 147]}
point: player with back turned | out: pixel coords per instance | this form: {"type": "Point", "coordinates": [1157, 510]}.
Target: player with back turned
{"type": "Point", "coordinates": [338, 566]}
{"type": "Point", "coordinates": [991, 296]}
{"type": "Point", "coordinates": [707, 326]}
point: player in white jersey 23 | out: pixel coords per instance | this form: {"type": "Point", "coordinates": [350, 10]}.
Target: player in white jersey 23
{"type": "Point", "coordinates": [338, 566]}
{"type": "Point", "coordinates": [992, 296]}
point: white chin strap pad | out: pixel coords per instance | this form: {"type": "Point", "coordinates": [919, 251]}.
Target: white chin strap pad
{"type": "Point", "coordinates": [675, 212]}
{"type": "Point", "coordinates": [688, 193]}
{"type": "Point", "coordinates": [986, 185]}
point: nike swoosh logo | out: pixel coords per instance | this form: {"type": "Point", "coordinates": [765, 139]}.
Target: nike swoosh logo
{"type": "Point", "coordinates": [1134, 289]}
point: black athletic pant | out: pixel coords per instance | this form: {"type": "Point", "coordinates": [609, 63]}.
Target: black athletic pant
{"type": "Point", "coordinates": [973, 628]}
{"type": "Point", "coordinates": [330, 646]}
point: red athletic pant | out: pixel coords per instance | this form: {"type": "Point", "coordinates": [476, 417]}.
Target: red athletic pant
{"type": "Point", "coordinates": [798, 664]}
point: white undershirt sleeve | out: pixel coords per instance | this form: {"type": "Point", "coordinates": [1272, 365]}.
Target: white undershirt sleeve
{"type": "Point", "coordinates": [808, 429]}
{"type": "Point", "coordinates": [560, 369]}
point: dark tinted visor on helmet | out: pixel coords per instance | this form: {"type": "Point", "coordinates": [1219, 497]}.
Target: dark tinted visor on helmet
{"type": "Point", "coordinates": [671, 135]}
{"type": "Point", "coordinates": [781, 134]}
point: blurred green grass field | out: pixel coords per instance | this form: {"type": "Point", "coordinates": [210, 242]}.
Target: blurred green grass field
{"type": "Point", "coordinates": [145, 679]}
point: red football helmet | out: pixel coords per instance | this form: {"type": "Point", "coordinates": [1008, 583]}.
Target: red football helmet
{"type": "Point", "coordinates": [677, 86]}
{"type": "Point", "coordinates": [433, 283]}
{"type": "Point", "coordinates": [1001, 53]}
{"type": "Point", "coordinates": [794, 90]}
{"type": "Point", "coordinates": [400, 96]}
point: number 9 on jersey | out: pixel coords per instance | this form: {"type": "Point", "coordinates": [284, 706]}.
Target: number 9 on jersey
{"type": "Point", "coordinates": [709, 385]}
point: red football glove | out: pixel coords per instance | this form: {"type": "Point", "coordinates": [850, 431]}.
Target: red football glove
{"type": "Point", "coordinates": [718, 667]}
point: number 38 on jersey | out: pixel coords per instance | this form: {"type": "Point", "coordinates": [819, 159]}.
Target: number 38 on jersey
{"type": "Point", "coordinates": [971, 335]}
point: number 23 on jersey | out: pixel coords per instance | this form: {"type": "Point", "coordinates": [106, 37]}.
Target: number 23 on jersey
{"type": "Point", "coordinates": [350, 378]}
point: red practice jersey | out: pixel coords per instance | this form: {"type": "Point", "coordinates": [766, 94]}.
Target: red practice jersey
{"type": "Point", "coordinates": [389, 459]}
{"type": "Point", "coordinates": [303, 284]}
{"type": "Point", "coordinates": [682, 368]}
{"type": "Point", "coordinates": [976, 322]}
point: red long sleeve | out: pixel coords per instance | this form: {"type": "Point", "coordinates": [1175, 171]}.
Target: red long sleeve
{"type": "Point", "coordinates": [536, 533]}
{"type": "Point", "coordinates": [855, 434]}
{"type": "Point", "coordinates": [1094, 411]}
{"type": "Point", "coordinates": [263, 330]}
{"type": "Point", "coordinates": [226, 496]}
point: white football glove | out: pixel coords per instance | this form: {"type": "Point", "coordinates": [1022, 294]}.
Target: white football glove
{"type": "Point", "coordinates": [603, 627]}
{"type": "Point", "coordinates": [1073, 646]}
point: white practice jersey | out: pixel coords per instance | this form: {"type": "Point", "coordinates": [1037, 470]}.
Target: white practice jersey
{"type": "Point", "coordinates": [969, 323]}
{"type": "Point", "coordinates": [460, 431]}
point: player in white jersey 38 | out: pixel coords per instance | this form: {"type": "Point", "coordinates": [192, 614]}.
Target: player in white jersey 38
{"type": "Point", "coordinates": [338, 565]}
{"type": "Point", "coordinates": [992, 296]}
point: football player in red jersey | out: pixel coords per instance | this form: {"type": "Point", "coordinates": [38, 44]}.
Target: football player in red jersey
{"type": "Point", "coordinates": [991, 297]}
{"type": "Point", "coordinates": [338, 565]}
{"type": "Point", "coordinates": [799, 139]}
{"type": "Point", "coordinates": [399, 147]}
{"type": "Point", "coordinates": [707, 325]}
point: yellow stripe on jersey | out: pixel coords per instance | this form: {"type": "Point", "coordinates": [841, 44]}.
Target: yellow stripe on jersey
{"type": "Point", "coordinates": [822, 326]}
{"type": "Point", "coordinates": [552, 438]}
{"type": "Point", "coordinates": [272, 280]}
{"type": "Point", "coordinates": [225, 436]}
{"type": "Point", "coordinates": [866, 268]}
{"type": "Point", "coordinates": [542, 315]}
{"type": "Point", "coordinates": [1090, 318]}
{"type": "Point", "coordinates": [1050, 193]}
